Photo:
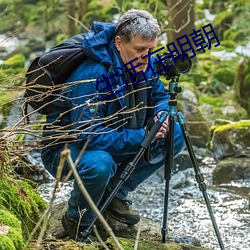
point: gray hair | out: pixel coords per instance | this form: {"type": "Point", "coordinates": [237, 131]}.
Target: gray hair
{"type": "Point", "coordinates": [137, 22]}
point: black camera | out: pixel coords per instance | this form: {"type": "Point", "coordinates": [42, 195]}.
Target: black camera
{"type": "Point", "coordinates": [173, 65]}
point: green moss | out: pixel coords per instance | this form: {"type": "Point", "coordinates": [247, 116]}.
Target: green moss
{"type": "Point", "coordinates": [225, 75]}
{"type": "Point", "coordinates": [13, 239]}
{"type": "Point", "coordinates": [6, 243]}
{"type": "Point", "coordinates": [22, 200]}
{"type": "Point", "coordinates": [9, 219]}
{"type": "Point", "coordinates": [229, 45]}
{"type": "Point", "coordinates": [239, 128]}
{"type": "Point", "coordinates": [236, 125]}
{"type": "Point", "coordinates": [212, 100]}
{"type": "Point", "coordinates": [16, 61]}
{"type": "Point", "coordinates": [16, 237]}
{"type": "Point", "coordinates": [128, 244]}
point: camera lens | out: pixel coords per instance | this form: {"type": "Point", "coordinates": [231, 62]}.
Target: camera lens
{"type": "Point", "coordinates": [183, 66]}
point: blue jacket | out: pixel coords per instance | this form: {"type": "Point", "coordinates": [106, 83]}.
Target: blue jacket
{"type": "Point", "coordinates": [92, 118]}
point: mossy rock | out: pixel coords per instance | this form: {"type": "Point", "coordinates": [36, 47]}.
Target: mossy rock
{"type": "Point", "coordinates": [22, 200]}
{"type": "Point", "coordinates": [128, 244]}
{"type": "Point", "coordinates": [232, 139]}
{"type": "Point", "coordinates": [10, 231]}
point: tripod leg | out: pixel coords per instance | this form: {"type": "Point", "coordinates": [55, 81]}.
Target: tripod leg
{"type": "Point", "coordinates": [199, 176]}
{"type": "Point", "coordinates": [168, 173]}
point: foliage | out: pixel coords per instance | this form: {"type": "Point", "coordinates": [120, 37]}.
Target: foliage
{"type": "Point", "coordinates": [231, 19]}
{"type": "Point", "coordinates": [212, 75]}
{"type": "Point", "coordinates": [242, 84]}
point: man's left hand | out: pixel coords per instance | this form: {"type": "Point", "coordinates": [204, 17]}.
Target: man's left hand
{"type": "Point", "coordinates": [164, 128]}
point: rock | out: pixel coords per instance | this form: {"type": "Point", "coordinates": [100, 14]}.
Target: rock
{"type": "Point", "coordinates": [231, 139]}
{"type": "Point", "coordinates": [231, 169]}
{"type": "Point", "coordinates": [197, 125]}
{"type": "Point", "coordinates": [181, 179]}
{"type": "Point", "coordinates": [149, 238]}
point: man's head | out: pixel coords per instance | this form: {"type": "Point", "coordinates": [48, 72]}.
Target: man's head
{"type": "Point", "coordinates": [136, 34]}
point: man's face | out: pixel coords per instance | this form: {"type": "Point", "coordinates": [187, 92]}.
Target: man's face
{"type": "Point", "coordinates": [136, 48]}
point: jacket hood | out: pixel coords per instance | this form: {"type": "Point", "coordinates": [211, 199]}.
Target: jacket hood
{"type": "Point", "coordinates": [98, 42]}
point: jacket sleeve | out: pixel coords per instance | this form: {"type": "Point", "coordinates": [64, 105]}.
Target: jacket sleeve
{"type": "Point", "coordinates": [88, 119]}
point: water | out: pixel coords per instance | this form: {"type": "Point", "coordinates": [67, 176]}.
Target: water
{"type": "Point", "coordinates": [187, 212]}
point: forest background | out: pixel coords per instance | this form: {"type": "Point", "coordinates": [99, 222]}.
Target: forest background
{"type": "Point", "coordinates": [220, 75]}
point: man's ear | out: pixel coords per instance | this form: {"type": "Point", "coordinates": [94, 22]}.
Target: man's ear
{"type": "Point", "coordinates": [118, 43]}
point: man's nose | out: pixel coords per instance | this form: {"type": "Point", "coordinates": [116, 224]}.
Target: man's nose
{"type": "Point", "coordinates": [145, 55]}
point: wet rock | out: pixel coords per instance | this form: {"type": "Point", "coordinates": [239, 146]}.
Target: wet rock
{"type": "Point", "coordinates": [232, 139]}
{"type": "Point", "coordinates": [231, 169]}
{"type": "Point", "coordinates": [181, 179]}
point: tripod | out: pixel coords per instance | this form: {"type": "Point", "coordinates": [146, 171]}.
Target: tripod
{"type": "Point", "coordinates": [169, 163]}
{"type": "Point", "coordinates": [173, 90]}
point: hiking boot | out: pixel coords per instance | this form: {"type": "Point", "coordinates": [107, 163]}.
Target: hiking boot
{"type": "Point", "coordinates": [121, 211]}
{"type": "Point", "coordinates": [75, 231]}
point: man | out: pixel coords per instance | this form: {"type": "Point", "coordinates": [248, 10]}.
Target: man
{"type": "Point", "coordinates": [108, 113]}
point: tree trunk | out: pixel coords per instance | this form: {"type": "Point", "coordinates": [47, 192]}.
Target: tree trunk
{"type": "Point", "coordinates": [181, 21]}
{"type": "Point", "coordinates": [83, 7]}
{"type": "Point", "coordinates": [72, 13]}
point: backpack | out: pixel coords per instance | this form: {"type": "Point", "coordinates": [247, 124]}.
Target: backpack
{"type": "Point", "coordinates": [47, 74]}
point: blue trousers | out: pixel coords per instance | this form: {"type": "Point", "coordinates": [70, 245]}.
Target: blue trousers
{"type": "Point", "coordinates": [100, 170]}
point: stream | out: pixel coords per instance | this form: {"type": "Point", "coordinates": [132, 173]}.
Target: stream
{"type": "Point", "coordinates": [187, 212]}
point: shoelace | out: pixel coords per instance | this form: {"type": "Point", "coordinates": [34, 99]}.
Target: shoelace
{"type": "Point", "coordinates": [127, 203]}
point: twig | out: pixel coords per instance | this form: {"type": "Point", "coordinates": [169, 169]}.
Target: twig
{"type": "Point", "coordinates": [99, 238]}
{"type": "Point", "coordinates": [137, 236]}
{"type": "Point", "coordinates": [66, 154]}
{"type": "Point", "coordinates": [77, 21]}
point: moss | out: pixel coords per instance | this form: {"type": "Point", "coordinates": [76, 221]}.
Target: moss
{"type": "Point", "coordinates": [214, 101]}
{"type": "Point", "coordinates": [236, 125]}
{"type": "Point", "coordinates": [22, 200]}
{"type": "Point", "coordinates": [229, 45]}
{"type": "Point", "coordinates": [9, 219]}
{"type": "Point", "coordinates": [16, 237]}
{"type": "Point", "coordinates": [221, 132]}
{"type": "Point", "coordinates": [6, 243]}
{"type": "Point", "coordinates": [13, 239]}
{"type": "Point", "coordinates": [128, 244]}
{"type": "Point", "coordinates": [225, 75]}
{"type": "Point", "coordinates": [16, 61]}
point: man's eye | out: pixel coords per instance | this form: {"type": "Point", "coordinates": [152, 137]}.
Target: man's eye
{"type": "Point", "coordinates": [140, 49]}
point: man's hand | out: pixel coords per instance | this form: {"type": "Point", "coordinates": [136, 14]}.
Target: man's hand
{"type": "Point", "coordinates": [164, 128]}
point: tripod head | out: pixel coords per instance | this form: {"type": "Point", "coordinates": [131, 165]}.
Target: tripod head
{"type": "Point", "coordinates": [174, 89]}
